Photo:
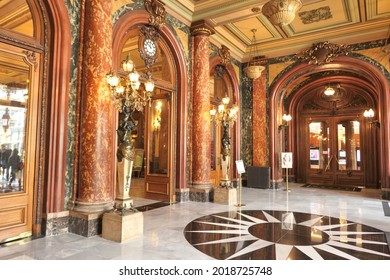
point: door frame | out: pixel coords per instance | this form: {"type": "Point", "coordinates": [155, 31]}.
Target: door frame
{"type": "Point", "coordinates": [51, 29]}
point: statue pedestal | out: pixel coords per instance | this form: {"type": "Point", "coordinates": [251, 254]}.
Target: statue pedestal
{"type": "Point", "coordinates": [123, 200]}
{"type": "Point", "coordinates": [121, 228]}
{"type": "Point", "coordinates": [225, 196]}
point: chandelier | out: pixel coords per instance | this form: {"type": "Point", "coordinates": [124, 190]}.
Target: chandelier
{"type": "Point", "coordinates": [254, 69]}
{"type": "Point", "coordinates": [125, 91]}
{"type": "Point", "coordinates": [281, 12]}
{"type": "Point", "coordinates": [226, 116]}
{"type": "Point", "coordinates": [329, 91]}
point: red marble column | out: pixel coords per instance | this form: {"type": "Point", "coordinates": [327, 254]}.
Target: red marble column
{"type": "Point", "coordinates": [201, 169]}
{"type": "Point", "coordinates": [259, 119]}
{"type": "Point", "coordinates": [95, 183]}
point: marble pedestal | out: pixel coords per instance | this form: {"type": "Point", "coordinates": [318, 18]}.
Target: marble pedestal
{"type": "Point", "coordinates": [121, 228]}
{"type": "Point", "coordinates": [225, 196]}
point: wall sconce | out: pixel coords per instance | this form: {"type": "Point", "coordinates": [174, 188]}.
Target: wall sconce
{"type": "Point", "coordinates": [369, 114]}
{"type": "Point", "coordinates": [286, 120]}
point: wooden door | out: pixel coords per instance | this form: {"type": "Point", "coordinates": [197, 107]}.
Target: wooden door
{"type": "Point", "coordinates": [159, 147]}
{"type": "Point", "coordinates": [334, 151]}
{"type": "Point", "coordinates": [19, 110]}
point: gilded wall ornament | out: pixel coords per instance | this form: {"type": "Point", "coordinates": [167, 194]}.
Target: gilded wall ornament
{"type": "Point", "coordinates": [224, 53]}
{"type": "Point", "coordinates": [324, 52]}
{"type": "Point", "coordinates": [157, 12]}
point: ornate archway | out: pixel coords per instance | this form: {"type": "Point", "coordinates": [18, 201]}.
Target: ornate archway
{"type": "Point", "coordinates": [286, 92]}
{"type": "Point", "coordinates": [121, 27]}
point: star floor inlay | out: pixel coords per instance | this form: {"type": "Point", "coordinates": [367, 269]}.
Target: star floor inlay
{"type": "Point", "coordinates": [281, 235]}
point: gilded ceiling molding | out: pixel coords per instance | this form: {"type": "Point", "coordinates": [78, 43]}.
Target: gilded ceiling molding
{"type": "Point", "coordinates": [324, 52]}
{"type": "Point", "coordinates": [224, 53]}
{"type": "Point", "coordinates": [157, 12]}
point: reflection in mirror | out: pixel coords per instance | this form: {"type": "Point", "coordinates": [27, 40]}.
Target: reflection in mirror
{"type": "Point", "coordinates": [319, 145]}
{"type": "Point", "coordinates": [348, 145]}
{"type": "Point", "coordinates": [14, 88]}
{"type": "Point", "coordinates": [15, 15]}
{"type": "Point", "coordinates": [159, 133]}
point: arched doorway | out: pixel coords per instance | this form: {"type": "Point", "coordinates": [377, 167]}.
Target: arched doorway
{"type": "Point", "coordinates": [161, 132]}
{"type": "Point", "coordinates": [355, 75]}
{"type": "Point", "coordinates": [223, 83]}
{"type": "Point", "coordinates": [334, 141]}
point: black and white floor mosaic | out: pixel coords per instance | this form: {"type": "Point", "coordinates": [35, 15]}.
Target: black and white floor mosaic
{"type": "Point", "coordinates": [282, 235]}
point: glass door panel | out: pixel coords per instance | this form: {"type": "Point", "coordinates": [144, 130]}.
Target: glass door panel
{"type": "Point", "coordinates": [159, 142]}
{"type": "Point", "coordinates": [348, 145]}
{"type": "Point", "coordinates": [14, 83]}
{"type": "Point", "coordinates": [341, 147]}
{"type": "Point", "coordinates": [319, 149]}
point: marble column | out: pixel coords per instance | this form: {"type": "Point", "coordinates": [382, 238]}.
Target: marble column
{"type": "Point", "coordinates": [201, 130]}
{"type": "Point", "coordinates": [95, 167]}
{"type": "Point", "coordinates": [259, 119]}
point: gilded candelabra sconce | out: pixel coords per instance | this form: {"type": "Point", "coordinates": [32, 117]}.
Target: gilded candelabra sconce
{"type": "Point", "coordinates": [129, 95]}
{"type": "Point", "coordinates": [226, 116]}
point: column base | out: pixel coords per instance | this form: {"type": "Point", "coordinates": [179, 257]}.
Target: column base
{"type": "Point", "coordinates": [183, 195]}
{"type": "Point", "coordinates": [121, 228]}
{"type": "Point", "coordinates": [225, 196]}
{"type": "Point", "coordinates": [85, 224]}
{"type": "Point", "coordinates": [201, 195]}
{"type": "Point", "coordinates": [55, 223]}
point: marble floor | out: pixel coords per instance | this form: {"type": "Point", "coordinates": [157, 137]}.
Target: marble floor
{"type": "Point", "coordinates": [303, 223]}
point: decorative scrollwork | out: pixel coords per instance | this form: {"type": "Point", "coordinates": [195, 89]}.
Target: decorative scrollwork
{"type": "Point", "coordinates": [224, 53]}
{"type": "Point", "coordinates": [322, 53]}
{"type": "Point", "coordinates": [31, 58]}
{"type": "Point", "coordinates": [157, 12]}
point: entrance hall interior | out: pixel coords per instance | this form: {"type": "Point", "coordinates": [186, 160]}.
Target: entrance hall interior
{"type": "Point", "coordinates": [215, 129]}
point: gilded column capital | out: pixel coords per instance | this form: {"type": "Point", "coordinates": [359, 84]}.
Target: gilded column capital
{"type": "Point", "coordinates": [202, 27]}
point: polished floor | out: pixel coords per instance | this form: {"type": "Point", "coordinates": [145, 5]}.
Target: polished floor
{"type": "Point", "coordinates": [302, 224]}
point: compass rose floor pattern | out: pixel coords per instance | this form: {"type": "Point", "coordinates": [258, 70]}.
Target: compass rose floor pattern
{"type": "Point", "coordinates": [283, 235]}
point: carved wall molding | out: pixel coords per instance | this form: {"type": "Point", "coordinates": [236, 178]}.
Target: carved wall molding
{"type": "Point", "coordinates": [224, 53]}
{"type": "Point", "coordinates": [324, 52]}
{"type": "Point", "coordinates": [31, 58]}
{"type": "Point", "coordinates": [157, 12]}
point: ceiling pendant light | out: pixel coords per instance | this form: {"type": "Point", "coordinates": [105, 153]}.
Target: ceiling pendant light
{"type": "Point", "coordinates": [329, 91]}
{"type": "Point", "coordinates": [281, 12]}
{"type": "Point", "coordinates": [254, 68]}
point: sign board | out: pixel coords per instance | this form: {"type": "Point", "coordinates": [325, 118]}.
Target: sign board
{"type": "Point", "coordinates": [240, 166]}
{"type": "Point", "coordinates": [286, 160]}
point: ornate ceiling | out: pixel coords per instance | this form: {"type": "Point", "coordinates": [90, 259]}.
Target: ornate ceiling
{"type": "Point", "coordinates": [337, 21]}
